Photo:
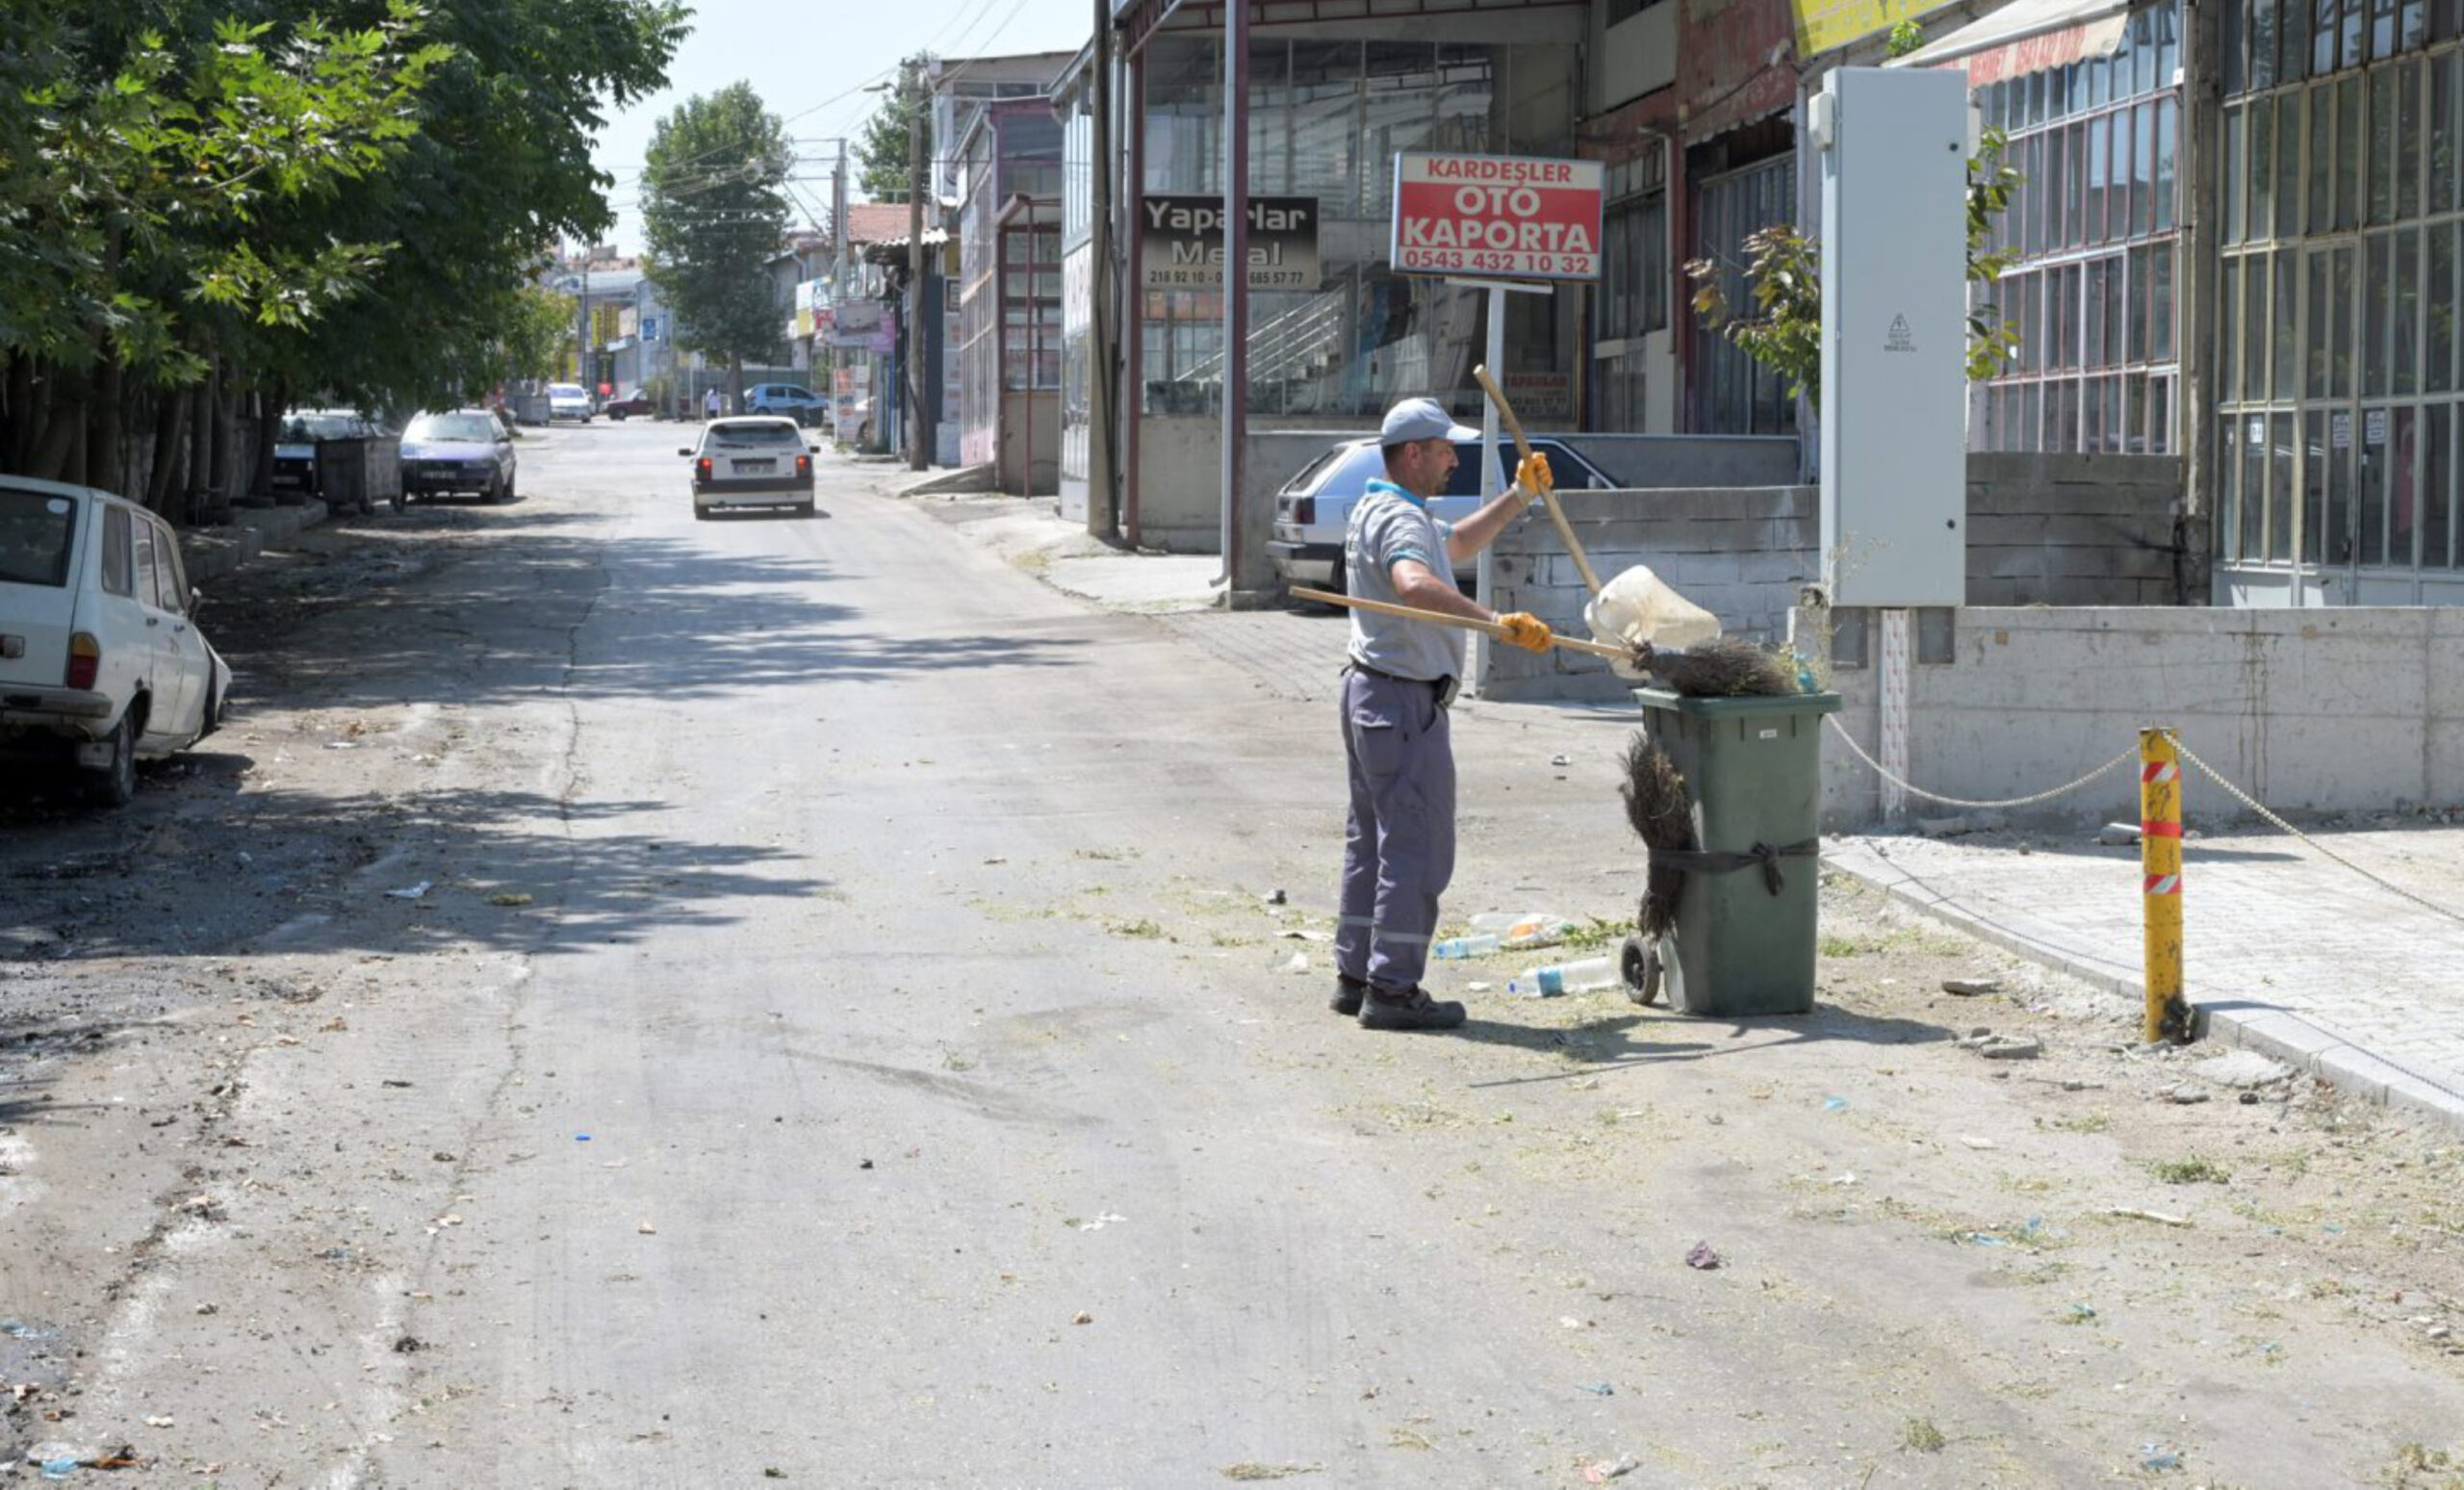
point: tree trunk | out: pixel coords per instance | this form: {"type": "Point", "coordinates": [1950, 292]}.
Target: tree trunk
{"type": "Point", "coordinates": [61, 434]}
{"type": "Point", "coordinates": [31, 406]}
{"type": "Point", "coordinates": [19, 391]}
{"type": "Point", "coordinates": [220, 475]}
{"type": "Point", "coordinates": [735, 384]}
{"type": "Point", "coordinates": [269, 410]}
{"type": "Point", "coordinates": [171, 446]}
{"type": "Point", "coordinates": [201, 502]}
{"type": "Point", "coordinates": [105, 452]}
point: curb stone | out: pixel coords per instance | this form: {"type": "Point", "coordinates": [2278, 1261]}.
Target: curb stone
{"type": "Point", "coordinates": [2269, 1029]}
{"type": "Point", "coordinates": [213, 554]}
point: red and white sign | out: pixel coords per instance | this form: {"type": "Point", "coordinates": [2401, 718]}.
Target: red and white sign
{"type": "Point", "coordinates": [1497, 217]}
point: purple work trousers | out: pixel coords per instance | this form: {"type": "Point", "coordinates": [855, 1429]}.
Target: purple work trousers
{"type": "Point", "coordinates": [1398, 841]}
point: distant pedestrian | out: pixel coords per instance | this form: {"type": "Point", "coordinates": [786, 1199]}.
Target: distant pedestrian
{"type": "Point", "coordinates": [710, 404]}
{"type": "Point", "coordinates": [1399, 843]}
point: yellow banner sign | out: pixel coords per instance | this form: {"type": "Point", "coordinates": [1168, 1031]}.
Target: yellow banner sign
{"type": "Point", "coordinates": [1827, 25]}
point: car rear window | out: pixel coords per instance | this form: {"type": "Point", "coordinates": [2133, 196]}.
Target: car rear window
{"type": "Point", "coordinates": [764, 433]}
{"type": "Point", "coordinates": [478, 428]}
{"type": "Point", "coordinates": [38, 535]}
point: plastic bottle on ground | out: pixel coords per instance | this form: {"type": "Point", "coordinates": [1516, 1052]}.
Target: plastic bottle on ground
{"type": "Point", "coordinates": [1549, 980]}
{"type": "Point", "coordinates": [1473, 945]}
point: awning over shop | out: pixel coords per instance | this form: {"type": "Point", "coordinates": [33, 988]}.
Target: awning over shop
{"type": "Point", "coordinates": [2027, 35]}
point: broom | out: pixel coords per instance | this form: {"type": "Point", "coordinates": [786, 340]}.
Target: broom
{"type": "Point", "coordinates": [1662, 817]}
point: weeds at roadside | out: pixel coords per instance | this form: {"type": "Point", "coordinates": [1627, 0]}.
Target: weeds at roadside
{"type": "Point", "coordinates": [2085, 1122]}
{"type": "Point", "coordinates": [2417, 1468]}
{"type": "Point", "coordinates": [1921, 1435]}
{"type": "Point", "coordinates": [2196, 1170]}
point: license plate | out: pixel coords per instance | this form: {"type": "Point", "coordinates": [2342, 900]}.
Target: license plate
{"type": "Point", "coordinates": [755, 467]}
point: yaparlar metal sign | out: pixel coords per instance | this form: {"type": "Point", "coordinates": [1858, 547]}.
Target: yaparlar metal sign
{"type": "Point", "coordinates": [1181, 243]}
{"type": "Point", "coordinates": [1497, 217]}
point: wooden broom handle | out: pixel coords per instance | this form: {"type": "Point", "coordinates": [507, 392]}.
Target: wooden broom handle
{"type": "Point", "coordinates": [1466, 623]}
{"type": "Point", "coordinates": [1548, 494]}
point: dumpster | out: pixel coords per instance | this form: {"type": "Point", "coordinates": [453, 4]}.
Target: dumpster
{"type": "Point", "coordinates": [1742, 942]}
{"type": "Point", "coordinates": [356, 474]}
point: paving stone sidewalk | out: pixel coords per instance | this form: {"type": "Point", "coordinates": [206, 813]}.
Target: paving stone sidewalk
{"type": "Point", "coordinates": [2285, 952]}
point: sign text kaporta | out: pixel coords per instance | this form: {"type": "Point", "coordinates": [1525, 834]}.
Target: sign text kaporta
{"type": "Point", "coordinates": [1498, 216]}
{"type": "Point", "coordinates": [1182, 243]}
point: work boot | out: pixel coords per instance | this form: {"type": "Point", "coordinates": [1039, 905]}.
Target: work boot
{"type": "Point", "coordinates": [1412, 1009]}
{"type": "Point", "coordinates": [1348, 994]}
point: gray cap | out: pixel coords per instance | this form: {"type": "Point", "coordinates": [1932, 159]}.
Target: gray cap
{"type": "Point", "coordinates": [1421, 418]}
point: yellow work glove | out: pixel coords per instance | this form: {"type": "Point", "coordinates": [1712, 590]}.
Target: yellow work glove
{"type": "Point", "coordinates": [1523, 628]}
{"type": "Point", "coordinates": [1533, 474]}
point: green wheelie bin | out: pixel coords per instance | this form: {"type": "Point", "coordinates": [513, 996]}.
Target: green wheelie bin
{"type": "Point", "coordinates": [1743, 939]}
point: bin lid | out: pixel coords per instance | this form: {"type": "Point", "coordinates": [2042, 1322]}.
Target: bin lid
{"type": "Point", "coordinates": [1729, 709]}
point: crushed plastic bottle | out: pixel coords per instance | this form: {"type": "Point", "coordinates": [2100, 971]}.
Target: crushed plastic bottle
{"type": "Point", "coordinates": [1550, 980]}
{"type": "Point", "coordinates": [1523, 928]}
{"type": "Point", "coordinates": [1473, 945]}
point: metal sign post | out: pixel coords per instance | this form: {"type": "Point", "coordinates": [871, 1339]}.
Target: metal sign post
{"type": "Point", "coordinates": [1492, 478]}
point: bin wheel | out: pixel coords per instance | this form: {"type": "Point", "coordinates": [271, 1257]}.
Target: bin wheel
{"type": "Point", "coordinates": [1640, 966]}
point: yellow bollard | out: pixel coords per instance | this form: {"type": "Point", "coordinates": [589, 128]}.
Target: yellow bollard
{"type": "Point", "coordinates": [2160, 861]}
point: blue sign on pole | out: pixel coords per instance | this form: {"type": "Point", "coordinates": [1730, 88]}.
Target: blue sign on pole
{"type": "Point", "coordinates": [650, 328]}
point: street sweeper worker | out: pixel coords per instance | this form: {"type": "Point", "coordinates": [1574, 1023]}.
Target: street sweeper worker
{"type": "Point", "coordinates": [1398, 841]}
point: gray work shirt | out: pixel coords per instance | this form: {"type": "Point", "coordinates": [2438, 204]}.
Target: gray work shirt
{"type": "Point", "coordinates": [1389, 524]}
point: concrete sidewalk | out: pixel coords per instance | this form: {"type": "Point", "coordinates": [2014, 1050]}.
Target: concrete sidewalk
{"type": "Point", "coordinates": [2286, 952]}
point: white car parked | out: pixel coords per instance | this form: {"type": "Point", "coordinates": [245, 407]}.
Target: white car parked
{"type": "Point", "coordinates": [100, 659]}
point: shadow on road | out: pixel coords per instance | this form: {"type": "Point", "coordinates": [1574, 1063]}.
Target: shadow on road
{"type": "Point", "coordinates": [304, 871]}
{"type": "Point", "coordinates": [1612, 1041]}
{"type": "Point", "coordinates": [665, 619]}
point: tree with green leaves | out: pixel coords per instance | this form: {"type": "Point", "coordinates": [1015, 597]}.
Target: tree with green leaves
{"type": "Point", "coordinates": [714, 210]}
{"type": "Point", "coordinates": [535, 339]}
{"type": "Point", "coordinates": [882, 155]}
{"type": "Point", "coordinates": [1782, 328]}
{"type": "Point", "coordinates": [210, 207]}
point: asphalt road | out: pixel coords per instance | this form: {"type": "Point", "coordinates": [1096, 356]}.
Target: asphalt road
{"type": "Point", "coordinates": [844, 1037]}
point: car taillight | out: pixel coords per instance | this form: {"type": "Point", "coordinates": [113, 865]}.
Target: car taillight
{"type": "Point", "coordinates": [85, 660]}
{"type": "Point", "coordinates": [804, 465]}
{"type": "Point", "coordinates": [702, 469]}
{"type": "Point", "coordinates": [1304, 510]}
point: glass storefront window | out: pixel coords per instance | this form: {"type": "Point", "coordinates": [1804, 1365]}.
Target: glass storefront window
{"type": "Point", "coordinates": [2446, 299]}
{"type": "Point", "coordinates": [2439, 485]}
{"type": "Point", "coordinates": [1327, 116]}
{"type": "Point", "coordinates": [2160, 302]}
{"type": "Point", "coordinates": [2313, 483]}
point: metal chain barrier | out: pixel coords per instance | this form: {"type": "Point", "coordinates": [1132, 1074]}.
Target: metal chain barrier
{"type": "Point", "coordinates": [1875, 766]}
{"type": "Point", "coordinates": [2255, 805]}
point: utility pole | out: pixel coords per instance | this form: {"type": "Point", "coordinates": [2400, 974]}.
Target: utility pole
{"type": "Point", "coordinates": [837, 283]}
{"type": "Point", "coordinates": [915, 183]}
{"type": "Point", "coordinates": [1103, 506]}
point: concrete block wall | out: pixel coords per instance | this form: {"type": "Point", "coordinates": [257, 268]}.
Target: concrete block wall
{"type": "Point", "coordinates": [2344, 710]}
{"type": "Point", "coordinates": [2081, 531]}
{"type": "Point", "coordinates": [1740, 553]}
